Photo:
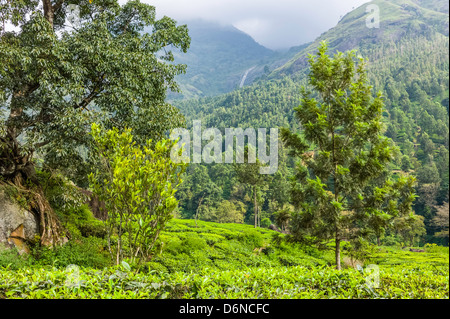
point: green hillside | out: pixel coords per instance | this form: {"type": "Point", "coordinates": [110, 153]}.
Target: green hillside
{"type": "Point", "coordinates": [408, 62]}
{"type": "Point", "coordinates": [218, 261]}
{"type": "Point", "coordinates": [217, 59]}
{"type": "Point", "coordinates": [95, 205]}
{"type": "Point", "coordinates": [398, 19]}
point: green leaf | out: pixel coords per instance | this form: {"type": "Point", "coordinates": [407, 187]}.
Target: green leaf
{"type": "Point", "coordinates": [126, 265]}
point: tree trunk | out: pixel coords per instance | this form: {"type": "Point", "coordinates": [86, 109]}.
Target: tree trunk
{"type": "Point", "coordinates": [17, 169]}
{"type": "Point", "coordinates": [255, 206]}
{"type": "Point", "coordinates": [378, 241]}
{"type": "Point", "coordinates": [198, 208]}
{"type": "Point", "coordinates": [338, 253]}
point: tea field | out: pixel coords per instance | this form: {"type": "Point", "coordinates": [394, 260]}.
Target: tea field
{"type": "Point", "coordinates": [226, 261]}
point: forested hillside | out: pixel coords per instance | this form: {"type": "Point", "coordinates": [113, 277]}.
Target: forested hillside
{"type": "Point", "coordinates": [221, 59]}
{"type": "Point", "coordinates": [96, 200]}
{"type": "Point", "coordinates": [408, 62]}
{"type": "Point", "coordinates": [217, 59]}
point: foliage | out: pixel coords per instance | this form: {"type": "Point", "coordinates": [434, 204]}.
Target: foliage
{"type": "Point", "coordinates": [10, 259]}
{"type": "Point", "coordinates": [214, 261]}
{"type": "Point", "coordinates": [396, 282]}
{"type": "Point", "coordinates": [137, 185]}
{"type": "Point", "coordinates": [105, 70]}
{"type": "Point", "coordinates": [85, 252]}
{"type": "Point", "coordinates": [342, 189]}
{"type": "Point", "coordinates": [408, 62]}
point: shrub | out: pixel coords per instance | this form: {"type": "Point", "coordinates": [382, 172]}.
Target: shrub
{"type": "Point", "coordinates": [212, 239]}
{"type": "Point", "coordinates": [190, 244]}
{"type": "Point", "coordinates": [153, 266]}
{"type": "Point", "coordinates": [266, 222]}
{"type": "Point", "coordinates": [10, 258]}
{"type": "Point", "coordinates": [252, 238]}
{"type": "Point", "coordinates": [87, 252]}
{"type": "Point", "coordinates": [93, 228]}
{"type": "Point", "coordinates": [138, 184]}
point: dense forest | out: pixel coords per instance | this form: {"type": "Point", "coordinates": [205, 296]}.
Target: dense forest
{"type": "Point", "coordinates": [411, 73]}
{"type": "Point", "coordinates": [94, 202]}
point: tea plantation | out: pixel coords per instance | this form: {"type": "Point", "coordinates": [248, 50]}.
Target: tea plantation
{"type": "Point", "coordinates": [215, 261]}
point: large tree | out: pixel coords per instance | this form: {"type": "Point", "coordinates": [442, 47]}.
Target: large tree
{"type": "Point", "coordinates": [342, 188]}
{"type": "Point", "coordinates": [112, 67]}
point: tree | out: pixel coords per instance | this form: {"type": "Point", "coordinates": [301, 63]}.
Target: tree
{"type": "Point", "coordinates": [441, 221]}
{"type": "Point", "coordinates": [406, 163]}
{"type": "Point", "coordinates": [341, 180]}
{"type": "Point", "coordinates": [137, 185]}
{"type": "Point", "coordinates": [56, 80]}
{"type": "Point", "coordinates": [409, 228]}
{"type": "Point", "coordinates": [249, 174]}
{"type": "Point", "coordinates": [230, 212]}
{"type": "Point", "coordinates": [282, 218]}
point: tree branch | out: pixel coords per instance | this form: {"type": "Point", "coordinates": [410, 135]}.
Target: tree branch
{"type": "Point", "coordinates": [48, 11]}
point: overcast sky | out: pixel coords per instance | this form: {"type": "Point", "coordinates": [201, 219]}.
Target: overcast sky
{"type": "Point", "coordinates": [276, 24]}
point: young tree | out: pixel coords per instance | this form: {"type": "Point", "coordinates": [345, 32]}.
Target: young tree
{"type": "Point", "coordinates": [341, 183]}
{"type": "Point", "coordinates": [249, 174]}
{"type": "Point", "coordinates": [57, 79]}
{"type": "Point", "coordinates": [138, 185]}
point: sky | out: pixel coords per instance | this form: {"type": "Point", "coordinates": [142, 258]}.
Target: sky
{"type": "Point", "coordinates": [276, 24]}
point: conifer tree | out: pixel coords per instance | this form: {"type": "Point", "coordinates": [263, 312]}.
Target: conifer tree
{"type": "Point", "coordinates": [342, 189]}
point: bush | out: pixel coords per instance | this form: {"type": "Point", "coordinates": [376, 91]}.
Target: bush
{"type": "Point", "coordinates": [87, 252]}
{"type": "Point", "coordinates": [390, 241]}
{"type": "Point", "coordinates": [191, 244]}
{"type": "Point", "coordinates": [10, 258]}
{"type": "Point", "coordinates": [252, 238]}
{"type": "Point", "coordinates": [266, 222]}
{"type": "Point", "coordinates": [212, 239]}
{"type": "Point", "coordinates": [433, 248]}
{"type": "Point", "coordinates": [153, 266]}
{"type": "Point", "coordinates": [93, 228]}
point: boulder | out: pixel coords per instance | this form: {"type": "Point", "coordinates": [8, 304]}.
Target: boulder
{"type": "Point", "coordinates": [275, 228]}
{"type": "Point", "coordinates": [17, 225]}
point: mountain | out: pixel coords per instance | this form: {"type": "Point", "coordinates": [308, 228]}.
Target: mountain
{"type": "Point", "coordinates": [217, 59]}
{"type": "Point", "coordinates": [222, 58]}
{"type": "Point", "coordinates": [398, 19]}
{"type": "Point", "coordinates": [407, 60]}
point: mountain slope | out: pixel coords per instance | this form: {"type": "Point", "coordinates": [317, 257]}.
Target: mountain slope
{"type": "Point", "coordinates": [398, 19]}
{"type": "Point", "coordinates": [217, 59]}
{"type": "Point", "coordinates": [408, 61]}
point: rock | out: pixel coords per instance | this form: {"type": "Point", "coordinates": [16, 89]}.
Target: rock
{"type": "Point", "coordinates": [417, 250]}
{"type": "Point", "coordinates": [275, 228]}
{"type": "Point", "coordinates": [17, 225]}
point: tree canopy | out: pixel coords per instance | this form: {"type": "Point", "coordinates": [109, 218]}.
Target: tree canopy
{"type": "Point", "coordinates": [113, 67]}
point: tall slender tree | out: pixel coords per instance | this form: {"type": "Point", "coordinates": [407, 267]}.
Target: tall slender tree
{"type": "Point", "coordinates": [342, 183]}
{"type": "Point", "coordinates": [249, 174]}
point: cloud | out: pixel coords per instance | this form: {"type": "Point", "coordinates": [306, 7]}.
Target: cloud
{"type": "Point", "coordinates": [275, 24]}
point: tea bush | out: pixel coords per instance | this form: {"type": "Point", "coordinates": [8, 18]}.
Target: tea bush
{"type": "Point", "coordinates": [398, 282]}
{"type": "Point", "coordinates": [10, 258]}
{"type": "Point", "coordinates": [201, 262]}
{"type": "Point", "coordinates": [86, 252]}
